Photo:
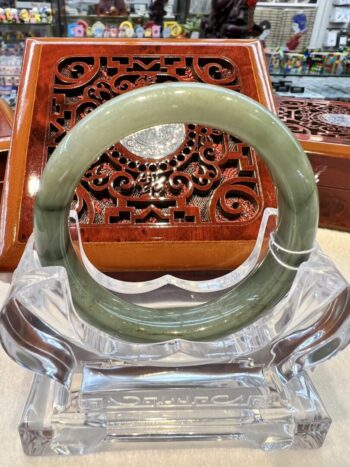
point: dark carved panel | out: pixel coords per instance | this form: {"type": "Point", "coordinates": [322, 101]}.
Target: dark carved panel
{"type": "Point", "coordinates": [328, 120]}
{"type": "Point", "coordinates": [214, 182]}
{"type": "Point", "coordinates": [211, 178]}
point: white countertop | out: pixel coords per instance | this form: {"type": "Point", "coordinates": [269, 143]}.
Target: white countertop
{"type": "Point", "coordinates": [331, 379]}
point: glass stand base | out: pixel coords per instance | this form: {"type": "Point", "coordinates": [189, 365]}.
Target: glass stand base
{"type": "Point", "coordinates": [110, 406]}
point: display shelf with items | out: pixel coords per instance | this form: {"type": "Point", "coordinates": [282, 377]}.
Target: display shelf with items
{"type": "Point", "coordinates": [23, 16]}
{"type": "Point", "coordinates": [12, 40]}
{"type": "Point", "coordinates": [20, 20]}
{"type": "Point", "coordinates": [116, 18]}
{"type": "Point", "coordinates": [337, 33]}
{"type": "Point", "coordinates": [29, 18]}
{"type": "Point", "coordinates": [18, 32]}
{"type": "Point", "coordinates": [309, 63]}
{"type": "Point", "coordinates": [10, 69]}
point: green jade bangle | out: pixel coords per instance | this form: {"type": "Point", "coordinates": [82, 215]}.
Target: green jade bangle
{"type": "Point", "coordinates": [206, 105]}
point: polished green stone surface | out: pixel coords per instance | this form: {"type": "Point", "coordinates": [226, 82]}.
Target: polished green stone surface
{"type": "Point", "coordinates": [179, 103]}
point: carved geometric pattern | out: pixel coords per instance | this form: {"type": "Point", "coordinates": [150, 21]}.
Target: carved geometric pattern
{"type": "Point", "coordinates": [306, 117]}
{"type": "Point", "coordinates": [211, 178]}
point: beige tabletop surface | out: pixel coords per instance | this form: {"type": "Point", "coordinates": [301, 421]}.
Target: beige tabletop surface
{"type": "Point", "coordinates": [332, 379]}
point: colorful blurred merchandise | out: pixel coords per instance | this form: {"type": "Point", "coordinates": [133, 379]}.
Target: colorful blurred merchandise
{"type": "Point", "coordinates": [310, 62]}
{"type": "Point", "coordinates": [10, 59]}
{"type": "Point", "coordinates": [24, 16]}
{"type": "Point", "coordinates": [175, 28]}
{"type": "Point", "coordinates": [156, 31]}
{"type": "Point", "coordinates": [192, 26]}
{"type": "Point", "coordinates": [33, 15]}
{"type": "Point", "coordinates": [331, 63]}
{"type": "Point", "coordinates": [10, 69]}
{"type": "Point", "coordinates": [287, 62]}
{"type": "Point", "coordinates": [126, 29]}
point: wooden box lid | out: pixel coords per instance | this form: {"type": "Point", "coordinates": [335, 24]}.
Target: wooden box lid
{"type": "Point", "coordinates": [145, 224]}
{"type": "Point", "coordinates": [323, 128]}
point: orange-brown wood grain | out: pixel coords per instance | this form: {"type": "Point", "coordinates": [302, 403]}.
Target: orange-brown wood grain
{"type": "Point", "coordinates": [56, 75]}
{"type": "Point", "coordinates": [6, 124]}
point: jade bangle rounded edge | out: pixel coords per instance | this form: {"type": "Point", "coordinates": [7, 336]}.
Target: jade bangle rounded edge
{"type": "Point", "coordinates": [206, 105]}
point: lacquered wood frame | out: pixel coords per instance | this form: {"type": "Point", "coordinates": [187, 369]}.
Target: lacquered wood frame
{"type": "Point", "coordinates": [6, 124]}
{"type": "Point", "coordinates": [222, 246]}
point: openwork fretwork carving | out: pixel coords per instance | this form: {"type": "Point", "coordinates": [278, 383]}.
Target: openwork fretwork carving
{"type": "Point", "coordinates": [209, 181]}
{"type": "Point", "coordinates": [210, 178]}
{"type": "Point", "coordinates": [312, 118]}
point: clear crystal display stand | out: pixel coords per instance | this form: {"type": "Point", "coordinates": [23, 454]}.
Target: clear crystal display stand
{"type": "Point", "coordinates": [93, 392]}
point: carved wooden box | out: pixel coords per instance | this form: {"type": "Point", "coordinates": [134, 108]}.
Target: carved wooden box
{"type": "Point", "coordinates": [323, 128]}
{"type": "Point", "coordinates": [198, 207]}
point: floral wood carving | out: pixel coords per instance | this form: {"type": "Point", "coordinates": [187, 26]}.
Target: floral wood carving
{"type": "Point", "coordinates": [211, 178]}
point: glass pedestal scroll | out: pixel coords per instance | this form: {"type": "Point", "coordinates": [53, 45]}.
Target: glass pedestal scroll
{"type": "Point", "coordinates": [243, 407]}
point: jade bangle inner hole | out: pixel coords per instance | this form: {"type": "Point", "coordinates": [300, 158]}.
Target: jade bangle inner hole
{"type": "Point", "coordinates": [155, 143]}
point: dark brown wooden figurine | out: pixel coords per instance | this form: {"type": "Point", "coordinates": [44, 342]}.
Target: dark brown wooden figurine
{"type": "Point", "coordinates": [157, 11]}
{"type": "Point", "coordinates": [232, 19]}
